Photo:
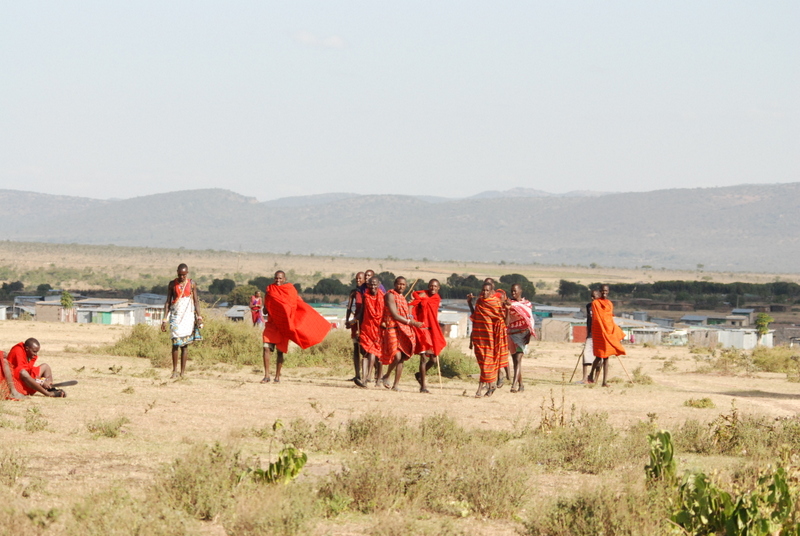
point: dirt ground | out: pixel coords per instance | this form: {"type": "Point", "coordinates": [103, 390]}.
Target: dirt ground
{"type": "Point", "coordinates": [224, 402]}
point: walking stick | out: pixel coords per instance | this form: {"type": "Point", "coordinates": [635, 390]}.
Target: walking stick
{"type": "Point", "coordinates": [439, 369]}
{"type": "Point", "coordinates": [412, 287]}
{"type": "Point", "coordinates": [623, 368]}
{"type": "Point", "coordinates": [580, 359]}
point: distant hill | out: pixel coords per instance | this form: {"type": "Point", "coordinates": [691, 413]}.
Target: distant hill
{"type": "Point", "coordinates": [748, 227]}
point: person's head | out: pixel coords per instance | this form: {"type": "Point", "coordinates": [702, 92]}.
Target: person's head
{"type": "Point", "coordinates": [604, 291]}
{"type": "Point", "coordinates": [183, 272]}
{"type": "Point", "coordinates": [516, 292]}
{"type": "Point", "coordinates": [360, 279]}
{"type": "Point", "coordinates": [595, 294]}
{"type": "Point", "coordinates": [489, 280]}
{"type": "Point", "coordinates": [487, 290]}
{"type": "Point", "coordinates": [31, 348]}
{"type": "Point", "coordinates": [257, 294]}
{"type": "Point", "coordinates": [433, 287]}
{"type": "Point", "coordinates": [400, 284]}
{"type": "Point", "coordinates": [372, 285]}
{"type": "Point", "coordinates": [280, 277]}
{"type": "Point", "coordinates": [369, 274]}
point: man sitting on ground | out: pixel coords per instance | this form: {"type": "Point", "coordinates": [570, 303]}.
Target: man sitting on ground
{"type": "Point", "coordinates": [28, 378]}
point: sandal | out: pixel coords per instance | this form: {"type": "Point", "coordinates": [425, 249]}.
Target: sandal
{"type": "Point", "coordinates": [500, 382]}
{"type": "Point", "coordinates": [359, 383]}
{"type": "Point", "coordinates": [266, 379]}
{"type": "Point", "coordinates": [491, 391]}
{"type": "Point", "coordinates": [58, 393]}
{"type": "Point", "coordinates": [424, 391]}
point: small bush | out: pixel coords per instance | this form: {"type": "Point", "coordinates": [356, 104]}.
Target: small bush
{"type": "Point", "coordinates": [336, 349]}
{"type": "Point", "coordinates": [107, 427]}
{"type": "Point", "coordinates": [457, 364]}
{"type": "Point", "coordinates": [777, 359]}
{"type": "Point", "coordinates": [272, 510]}
{"type": "Point", "coordinates": [640, 377]}
{"type": "Point", "coordinates": [201, 482]}
{"type": "Point", "coordinates": [34, 420]}
{"type": "Point", "coordinates": [700, 403]}
{"type": "Point", "coordinates": [115, 513]}
{"type": "Point", "coordinates": [669, 366]}
{"type": "Point", "coordinates": [12, 467]}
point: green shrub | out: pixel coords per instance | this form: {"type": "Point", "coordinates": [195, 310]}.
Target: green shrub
{"type": "Point", "coordinates": [640, 377]}
{"type": "Point", "coordinates": [700, 403]}
{"type": "Point", "coordinates": [200, 483]}
{"type": "Point", "coordinates": [777, 359]}
{"type": "Point", "coordinates": [457, 364]}
{"type": "Point", "coordinates": [107, 427]}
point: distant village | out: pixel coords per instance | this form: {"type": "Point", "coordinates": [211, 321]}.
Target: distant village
{"type": "Point", "coordinates": [735, 329]}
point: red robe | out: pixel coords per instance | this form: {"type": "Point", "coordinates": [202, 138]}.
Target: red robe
{"type": "Point", "coordinates": [18, 361]}
{"type": "Point", "coordinates": [397, 337]}
{"type": "Point", "coordinates": [489, 337]}
{"type": "Point", "coordinates": [291, 319]}
{"type": "Point", "coordinates": [606, 334]}
{"type": "Point", "coordinates": [372, 313]}
{"type": "Point", "coordinates": [430, 338]}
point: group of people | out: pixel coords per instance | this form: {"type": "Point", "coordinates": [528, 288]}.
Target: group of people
{"type": "Point", "coordinates": [387, 329]}
{"type": "Point", "coordinates": [20, 376]}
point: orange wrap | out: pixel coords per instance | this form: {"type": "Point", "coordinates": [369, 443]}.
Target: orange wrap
{"type": "Point", "coordinates": [291, 319]}
{"type": "Point", "coordinates": [606, 334]}
{"type": "Point", "coordinates": [489, 337]}
{"type": "Point", "coordinates": [397, 337]}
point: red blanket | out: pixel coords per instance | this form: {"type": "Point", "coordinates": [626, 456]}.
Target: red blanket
{"type": "Point", "coordinates": [292, 319]}
{"type": "Point", "coordinates": [430, 338]}
{"type": "Point", "coordinates": [370, 336]}
{"type": "Point", "coordinates": [606, 334]}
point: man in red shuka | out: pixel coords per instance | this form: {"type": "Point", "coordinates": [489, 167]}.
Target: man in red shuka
{"type": "Point", "coordinates": [430, 339]}
{"type": "Point", "coordinates": [369, 337]}
{"type": "Point", "coordinates": [398, 335]}
{"type": "Point", "coordinates": [28, 378]}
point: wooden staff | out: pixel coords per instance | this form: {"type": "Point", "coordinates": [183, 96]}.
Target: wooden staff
{"type": "Point", "coordinates": [439, 368]}
{"type": "Point", "coordinates": [412, 287]}
{"type": "Point", "coordinates": [626, 370]}
{"type": "Point", "coordinates": [580, 359]}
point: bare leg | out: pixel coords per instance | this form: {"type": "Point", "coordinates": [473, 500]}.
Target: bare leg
{"type": "Point", "coordinates": [184, 355]}
{"type": "Point", "coordinates": [175, 350]}
{"type": "Point", "coordinates": [378, 371]}
{"type": "Point", "coordinates": [423, 373]}
{"type": "Point", "coordinates": [278, 365]}
{"type": "Point", "coordinates": [369, 363]}
{"type": "Point", "coordinates": [605, 372]}
{"type": "Point", "coordinates": [267, 353]}
{"type": "Point", "coordinates": [31, 383]}
{"type": "Point", "coordinates": [398, 370]}
{"type": "Point", "coordinates": [389, 369]}
{"type": "Point", "coordinates": [47, 374]}
{"type": "Point", "coordinates": [586, 369]}
{"type": "Point", "coordinates": [479, 392]}
{"type": "Point", "coordinates": [595, 370]}
{"type": "Point", "coordinates": [357, 359]}
{"type": "Point", "coordinates": [517, 383]}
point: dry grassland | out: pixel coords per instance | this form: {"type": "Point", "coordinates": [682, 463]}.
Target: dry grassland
{"type": "Point", "coordinates": [224, 403]}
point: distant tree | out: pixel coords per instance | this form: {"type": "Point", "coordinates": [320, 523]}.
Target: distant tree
{"type": "Point", "coordinates": [568, 289]}
{"type": "Point", "coordinates": [241, 295]}
{"type": "Point", "coordinates": [222, 286]}
{"type": "Point", "coordinates": [16, 286]}
{"type": "Point", "coordinates": [261, 282]}
{"type": "Point", "coordinates": [330, 286]}
{"type": "Point", "coordinates": [763, 321]}
{"type": "Point", "coordinates": [66, 300]}
{"type": "Point", "coordinates": [387, 278]}
{"type": "Point", "coordinates": [159, 289]}
{"type": "Point", "coordinates": [44, 288]}
{"type": "Point", "coordinates": [528, 289]}
{"type": "Point", "coordinates": [298, 287]}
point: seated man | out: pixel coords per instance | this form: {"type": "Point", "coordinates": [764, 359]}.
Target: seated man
{"type": "Point", "coordinates": [29, 378]}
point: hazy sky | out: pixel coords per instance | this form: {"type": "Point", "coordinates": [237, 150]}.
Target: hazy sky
{"type": "Point", "coordinates": [268, 99]}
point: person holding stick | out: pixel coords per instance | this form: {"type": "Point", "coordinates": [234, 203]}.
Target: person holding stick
{"type": "Point", "coordinates": [430, 339]}
{"type": "Point", "coordinates": [587, 354]}
{"type": "Point", "coordinates": [182, 309]}
{"type": "Point", "coordinates": [606, 335]}
{"type": "Point", "coordinates": [355, 303]}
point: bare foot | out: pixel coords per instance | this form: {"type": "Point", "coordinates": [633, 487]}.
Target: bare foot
{"type": "Point", "coordinates": [266, 379]}
{"type": "Point", "coordinates": [423, 390]}
{"type": "Point", "coordinates": [174, 375]}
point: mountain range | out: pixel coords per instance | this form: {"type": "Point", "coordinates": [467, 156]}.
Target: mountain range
{"type": "Point", "coordinates": [736, 228]}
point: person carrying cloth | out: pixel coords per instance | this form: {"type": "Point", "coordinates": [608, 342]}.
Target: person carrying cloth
{"type": "Point", "coordinates": [369, 336]}
{"type": "Point", "coordinates": [398, 333]}
{"type": "Point", "coordinates": [520, 331]}
{"type": "Point", "coordinates": [489, 337]}
{"type": "Point", "coordinates": [29, 379]}
{"type": "Point", "coordinates": [288, 318]}
{"type": "Point", "coordinates": [606, 334]}
{"type": "Point", "coordinates": [430, 339]}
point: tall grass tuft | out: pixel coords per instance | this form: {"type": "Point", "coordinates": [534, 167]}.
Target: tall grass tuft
{"type": "Point", "coordinates": [115, 512]}
{"type": "Point", "coordinates": [457, 364]}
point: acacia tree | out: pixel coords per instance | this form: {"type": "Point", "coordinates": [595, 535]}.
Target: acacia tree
{"type": "Point", "coordinates": [67, 303]}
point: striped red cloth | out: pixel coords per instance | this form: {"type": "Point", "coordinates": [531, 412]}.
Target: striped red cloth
{"type": "Point", "coordinates": [489, 337]}
{"type": "Point", "coordinates": [397, 337]}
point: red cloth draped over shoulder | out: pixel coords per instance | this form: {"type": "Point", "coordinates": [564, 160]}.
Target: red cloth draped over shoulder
{"type": "Point", "coordinates": [489, 337]}
{"type": "Point", "coordinates": [370, 336]}
{"type": "Point", "coordinates": [17, 362]}
{"type": "Point", "coordinates": [184, 291]}
{"type": "Point", "coordinates": [606, 334]}
{"type": "Point", "coordinates": [292, 319]}
{"type": "Point", "coordinates": [425, 308]}
{"type": "Point", "coordinates": [397, 337]}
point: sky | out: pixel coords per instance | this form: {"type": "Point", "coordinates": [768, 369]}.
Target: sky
{"type": "Point", "coordinates": [448, 98]}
